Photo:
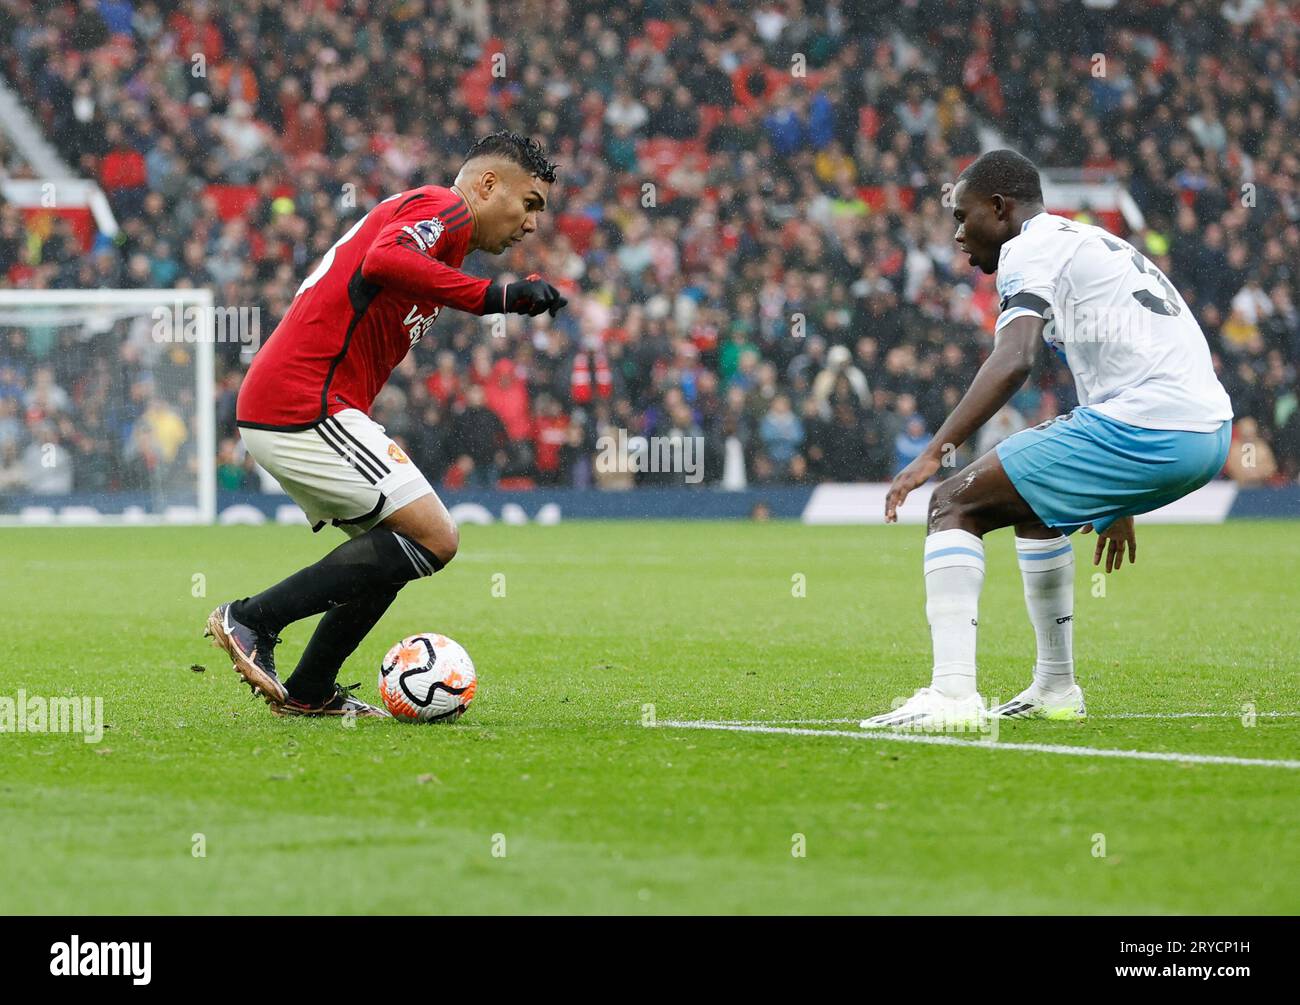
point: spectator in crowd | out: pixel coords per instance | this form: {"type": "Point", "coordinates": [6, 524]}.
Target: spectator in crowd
{"type": "Point", "coordinates": [46, 463]}
{"type": "Point", "coordinates": [45, 397]}
{"type": "Point", "coordinates": [839, 378]}
{"type": "Point", "coordinates": [842, 444]}
{"type": "Point", "coordinates": [13, 472]}
{"type": "Point", "coordinates": [550, 433]}
{"type": "Point", "coordinates": [910, 441]}
{"type": "Point", "coordinates": [429, 444]}
{"type": "Point", "coordinates": [728, 234]}
{"type": "Point", "coordinates": [232, 475]}
{"type": "Point", "coordinates": [1250, 460]}
{"type": "Point", "coordinates": [12, 429]}
{"type": "Point", "coordinates": [507, 396]}
{"type": "Point", "coordinates": [782, 434]}
{"type": "Point", "coordinates": [478, 441]}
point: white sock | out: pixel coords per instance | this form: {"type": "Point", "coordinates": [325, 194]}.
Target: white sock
{"type": "Point", "coordinates": [1048, 571]}
{"type": "Point", "coordinates": [954, 573]}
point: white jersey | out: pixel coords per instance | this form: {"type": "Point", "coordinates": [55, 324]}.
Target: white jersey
{"type": "Point", "coordinates": [1132, 344]}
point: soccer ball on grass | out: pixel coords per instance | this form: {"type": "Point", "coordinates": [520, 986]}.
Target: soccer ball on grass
{"type": "Point", "coordinates": [427, 678]}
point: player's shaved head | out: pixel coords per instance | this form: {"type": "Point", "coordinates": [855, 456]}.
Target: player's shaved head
{"type": "Point", "coordinates": [1004, 172]}
{"type": "Point", "coordinates": [992, 199]}
{"type": "Point", "coordinates": [521, 150]}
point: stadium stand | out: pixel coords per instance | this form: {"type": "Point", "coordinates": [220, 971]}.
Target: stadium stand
{"type": "Point", "coordinates": [787, 287]}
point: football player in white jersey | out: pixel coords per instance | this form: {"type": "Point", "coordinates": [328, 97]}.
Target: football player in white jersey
{"type": "Point", "coordinates": [1153, 424]}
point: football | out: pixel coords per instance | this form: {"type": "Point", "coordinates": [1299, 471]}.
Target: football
{"type": "Point", "coordinates": [427, 678]}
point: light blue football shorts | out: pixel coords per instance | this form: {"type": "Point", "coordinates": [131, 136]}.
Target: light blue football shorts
{"type": "Point", "coordinates": [1085, 467]}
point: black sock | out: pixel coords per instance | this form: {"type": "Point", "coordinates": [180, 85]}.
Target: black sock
{"type": "Point", "coordinates": [377, 561]}
{"type": "Point", "coordinates": [335, 639]}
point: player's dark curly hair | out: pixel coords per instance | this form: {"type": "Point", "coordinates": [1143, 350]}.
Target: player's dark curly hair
{"type": "Point", "coordinates": [523, 150]}
{"type": "Point", "coordinates": [1004, 172]}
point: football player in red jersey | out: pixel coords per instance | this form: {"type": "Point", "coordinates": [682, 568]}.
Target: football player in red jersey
{"type": "Point", "coordinates": [303, 411]}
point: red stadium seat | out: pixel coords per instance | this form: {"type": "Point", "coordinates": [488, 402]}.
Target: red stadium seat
{"type": "Point", "coordinates": [121, 169]}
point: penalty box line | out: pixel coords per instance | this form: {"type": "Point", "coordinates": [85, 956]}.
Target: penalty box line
{"type": "Point", "coordinates": [887, 736]}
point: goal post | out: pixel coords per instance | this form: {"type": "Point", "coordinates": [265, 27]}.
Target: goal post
{"type": "Point", "coordinates": [107, 406]}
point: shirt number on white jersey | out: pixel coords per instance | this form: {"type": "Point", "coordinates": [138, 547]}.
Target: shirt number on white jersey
{"type": "Point", "coordinates": [1167, 305]}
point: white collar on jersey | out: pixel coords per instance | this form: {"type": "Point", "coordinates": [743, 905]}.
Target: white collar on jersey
{"type": "Point", "coordinates": [1025, 226]}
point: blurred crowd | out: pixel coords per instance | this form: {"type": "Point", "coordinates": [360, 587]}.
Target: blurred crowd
{"type": "Point", "coordinates": [748, 217]}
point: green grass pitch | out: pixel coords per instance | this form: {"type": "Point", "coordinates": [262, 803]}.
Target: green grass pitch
{"type": "Point", "coordinates": [552, 796]}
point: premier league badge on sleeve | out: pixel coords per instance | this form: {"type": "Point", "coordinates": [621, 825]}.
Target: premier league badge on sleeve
{"type": "Point", "coordinates": [425, 233]}
{"type": "Point", "coordinates": [429, 231]}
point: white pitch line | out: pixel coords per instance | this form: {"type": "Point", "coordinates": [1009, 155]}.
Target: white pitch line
{"type": "Point", "coordinates": [1198, 715]}
{"type": "Point", "coordinates": [1093, 717]}
{"type": "Point", "coordinates": [949, 741]}
{"type": "Point", "coordinates": [783, 722]}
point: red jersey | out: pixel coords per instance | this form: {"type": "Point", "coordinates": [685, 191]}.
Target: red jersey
{"type": "Point", "coordinates": [371, 298]}
{"type": "Point", "coordinates": [550, 434]}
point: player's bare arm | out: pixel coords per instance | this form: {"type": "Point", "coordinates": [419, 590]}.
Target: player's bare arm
{"type": "Point", "coordinates": [1002, 374]}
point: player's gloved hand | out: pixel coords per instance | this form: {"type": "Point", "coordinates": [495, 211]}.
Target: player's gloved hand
{"type": "Point", "coordinates": [531, 296]}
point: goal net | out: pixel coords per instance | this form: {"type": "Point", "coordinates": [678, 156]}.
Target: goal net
{"type": "Point", "coordinates": [106, 406]}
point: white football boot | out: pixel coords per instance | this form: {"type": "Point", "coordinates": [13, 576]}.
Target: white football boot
{"type": "Point", "coordinates": [1031, 703]}
{"type": "Point", "coordinates": [932, 711]}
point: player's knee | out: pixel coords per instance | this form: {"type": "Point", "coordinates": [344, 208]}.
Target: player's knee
{"type": "Point", "coordinates": [949, 510]}
{"type": "Point", "coordinates": [954, 507]}
{"type": "Point", "coordinates": [943, 507]}
{"type": "Point", "coordinates": [443, 540]}
{"type": "Point", "coordinates": [450, 542]}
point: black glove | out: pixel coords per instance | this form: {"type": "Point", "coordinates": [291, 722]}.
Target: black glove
{"type": "Point", "coordinates": [531, 296]}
